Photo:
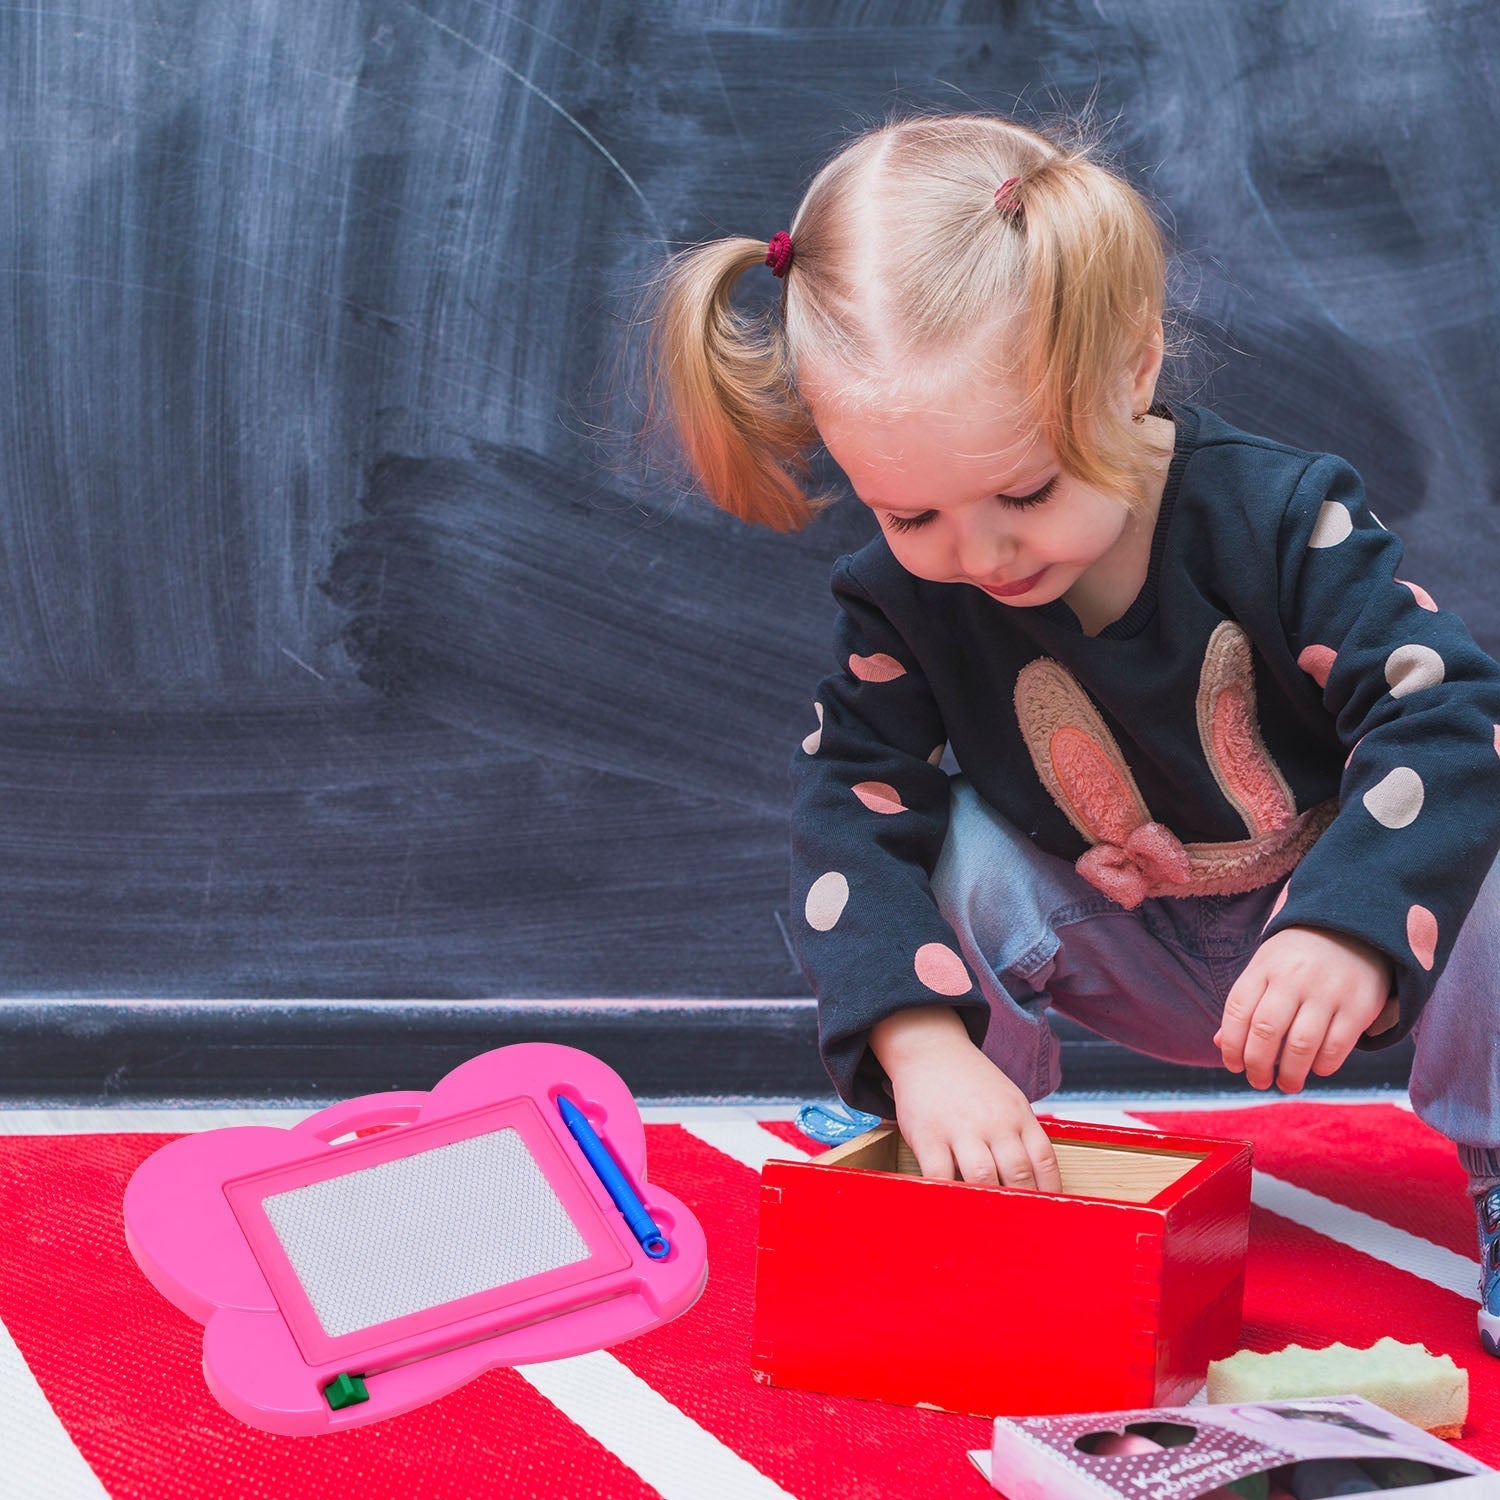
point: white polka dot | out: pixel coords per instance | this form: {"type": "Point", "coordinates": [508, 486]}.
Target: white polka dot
{"type": "Point", "coordinates": [1396, 799]}
{"type": "Point", "coordinates": [879, 796]}
{"type": "Point", "coordinates": [1334, 523]}
{"type": "Point", "coordinates": [1410, 668]}
{"type": "Point", "coordinates": [826, 901]}
{"type": "Point", "coordinates": [814, 742]}
{"type": "Point", "coordinates": [941, 970]}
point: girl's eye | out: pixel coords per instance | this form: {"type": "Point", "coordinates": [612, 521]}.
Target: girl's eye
{"type": "Point", "coordinates": [908, 523]}
{"type": "Point", "coordinates": [1037, 497]}
{"type": "Point", "coordinates": [1012, 502]}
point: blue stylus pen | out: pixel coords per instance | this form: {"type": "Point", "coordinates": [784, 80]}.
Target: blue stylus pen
{"type": "Point", "coordinates": [607, 1169]}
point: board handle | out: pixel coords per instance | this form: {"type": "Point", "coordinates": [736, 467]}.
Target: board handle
{"type": "Point", "coordinates": [369, 1110]}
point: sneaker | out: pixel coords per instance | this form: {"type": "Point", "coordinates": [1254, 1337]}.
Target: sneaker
{"type": "Point", "coordinates": [1487, 1205]}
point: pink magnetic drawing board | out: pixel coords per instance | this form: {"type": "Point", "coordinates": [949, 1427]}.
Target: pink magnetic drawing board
{"type": "Point", "coordinates": [503, 1218]}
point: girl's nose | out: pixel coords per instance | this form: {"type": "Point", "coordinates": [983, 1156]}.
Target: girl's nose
{"type": "Point", "coordinates": [983, 549]}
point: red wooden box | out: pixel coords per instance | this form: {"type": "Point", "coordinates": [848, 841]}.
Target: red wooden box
{"type": "Point", "coordinates": [1113, 1293]}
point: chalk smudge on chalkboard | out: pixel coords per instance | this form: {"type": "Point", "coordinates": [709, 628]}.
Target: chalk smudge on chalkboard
{"type": "Point", "coordinates": [509, 596]}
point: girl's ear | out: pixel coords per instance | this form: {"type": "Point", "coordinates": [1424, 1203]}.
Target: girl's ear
{"type": "Point", "coordinates": [1147, 370]}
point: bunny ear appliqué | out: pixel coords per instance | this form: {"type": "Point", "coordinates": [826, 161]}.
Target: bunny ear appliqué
{"type": "Point", "coordinates": [1230, 734]}
{"type": "Point", "coordinates": [1075, 754]}
{"type": "Point", "coordinates": [1080, 764]}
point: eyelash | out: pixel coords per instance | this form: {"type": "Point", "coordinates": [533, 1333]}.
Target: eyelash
{"type": "Point", "coordinates": [1012, 502]}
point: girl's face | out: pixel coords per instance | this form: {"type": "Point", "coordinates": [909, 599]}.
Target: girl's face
{"type": "Point", "coordinates": [969, 495]}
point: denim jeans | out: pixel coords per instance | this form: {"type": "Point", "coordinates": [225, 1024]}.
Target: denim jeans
{"type": "Point", "coordinates": [1038, 936]}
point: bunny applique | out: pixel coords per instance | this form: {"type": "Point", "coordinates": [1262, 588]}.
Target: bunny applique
{"type": "Point", "coordinates": [1131, 856]}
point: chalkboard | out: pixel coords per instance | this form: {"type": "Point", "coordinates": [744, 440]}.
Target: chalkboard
{"type": "Point", "coordinates": [345, 652]}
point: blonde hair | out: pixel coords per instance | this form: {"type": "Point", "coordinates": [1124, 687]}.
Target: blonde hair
{"type": "Point", "coordinates": [905, 274]}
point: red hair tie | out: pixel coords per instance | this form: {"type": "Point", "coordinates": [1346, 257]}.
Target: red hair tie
{"type": "Point", "coordinates": [1007, 202]}
{"type": "Point", "coordinates": [779, 253]}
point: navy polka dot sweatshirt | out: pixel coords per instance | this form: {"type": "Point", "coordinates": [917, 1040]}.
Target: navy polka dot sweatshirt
{"type": "Point", "coordinates": [1276, 702]}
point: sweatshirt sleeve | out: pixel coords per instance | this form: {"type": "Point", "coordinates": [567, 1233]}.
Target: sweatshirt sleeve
{"type": "Point", "coordinates": [869, 813]}
{"type": "Point", "coordinates": [1416, 705]}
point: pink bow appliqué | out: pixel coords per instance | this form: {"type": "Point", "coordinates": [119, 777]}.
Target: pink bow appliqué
{"type": "Point", "coordinates": [1153, 854]}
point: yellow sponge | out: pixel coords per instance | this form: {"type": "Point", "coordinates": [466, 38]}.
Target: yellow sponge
{"type": "Point", "coordinates": [1406, 1379]}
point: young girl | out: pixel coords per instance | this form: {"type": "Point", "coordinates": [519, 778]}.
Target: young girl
{"type": "Point", "coordinates": [1229, 785]}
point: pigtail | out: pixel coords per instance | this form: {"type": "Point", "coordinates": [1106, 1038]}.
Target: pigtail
{"type": "Point", "coordinates": [721, 385]}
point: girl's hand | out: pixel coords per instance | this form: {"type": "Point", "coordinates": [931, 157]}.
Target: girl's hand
{"type": "Point", "coordinates": [1307, 996]}
{"type": "Point", "coordinates": [959, 1113]}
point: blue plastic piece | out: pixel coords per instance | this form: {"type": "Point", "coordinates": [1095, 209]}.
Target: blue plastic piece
{"type": "Point", "coordinates": [835, 1123]}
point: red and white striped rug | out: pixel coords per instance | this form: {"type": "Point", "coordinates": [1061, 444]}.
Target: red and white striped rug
{"type": "Point", "coordinates": [1359, 1229]}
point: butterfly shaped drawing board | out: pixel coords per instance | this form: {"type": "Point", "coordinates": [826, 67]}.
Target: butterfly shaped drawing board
{"type": "Point", "coordinates": [502, 1218]}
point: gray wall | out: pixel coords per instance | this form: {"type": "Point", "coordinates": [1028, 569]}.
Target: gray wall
{"type": "Point", "coordinates": [338, 656]}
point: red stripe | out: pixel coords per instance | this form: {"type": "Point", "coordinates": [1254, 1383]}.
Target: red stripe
{"type": "Point", "coordinates": [121, 1368]}
{"type": "Point", "coordinates": [786, 1131]}
{"type": "Point", "coordinates": [816, 1447]}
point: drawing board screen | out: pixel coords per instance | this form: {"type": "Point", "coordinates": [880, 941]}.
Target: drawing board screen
{"type": "Point", "coordinates": [406, 1235]}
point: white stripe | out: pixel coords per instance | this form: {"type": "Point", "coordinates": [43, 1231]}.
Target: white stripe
{"type": "Point", "coordinates": [37, 1458]}
{"type": "Point", "coordinates": [1407, 1252]}
{"type": "Point", "coordinates": [646, 1432]}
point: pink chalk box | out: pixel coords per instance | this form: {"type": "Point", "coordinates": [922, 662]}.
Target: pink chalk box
{"type": "Point", "coordinates": [344, 1278]}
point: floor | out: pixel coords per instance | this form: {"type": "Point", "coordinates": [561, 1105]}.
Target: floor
{"type": "Point", "coordinates": [618, 1415]}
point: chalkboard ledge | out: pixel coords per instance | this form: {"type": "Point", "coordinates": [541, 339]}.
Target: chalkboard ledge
{"type": "Point", "coordinates": [100, 1050]}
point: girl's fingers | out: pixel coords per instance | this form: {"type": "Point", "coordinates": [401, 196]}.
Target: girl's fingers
{"type": "Point", "coordinates": [1267, 1030]}
{"type": "Point", "coordinates": [977, 1163]}
{"type": "Point", "coordinates": [1234, 1026]}
{"type": "Point", "coordinates": [1003, 1161]}
{"type": "Point", "coordinates": [1043, 1158]}
{"type": "Point", "coordinates": [1026, 1160]}
{"type": "Point", "coordinates": [933, 1155]}
{"type": "Point", "coordinates": [1015, 1166]}
{"type": "Point", "coordinates": [1306, 1038]}
{"type": "Point", "coordinates": [1343, 1032]}
{"type": "Point", "coordinates": [1022, 1166]}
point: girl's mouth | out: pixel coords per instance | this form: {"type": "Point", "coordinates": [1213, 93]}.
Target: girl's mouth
{"type": "Point", "coordinates": [1012, 590]}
